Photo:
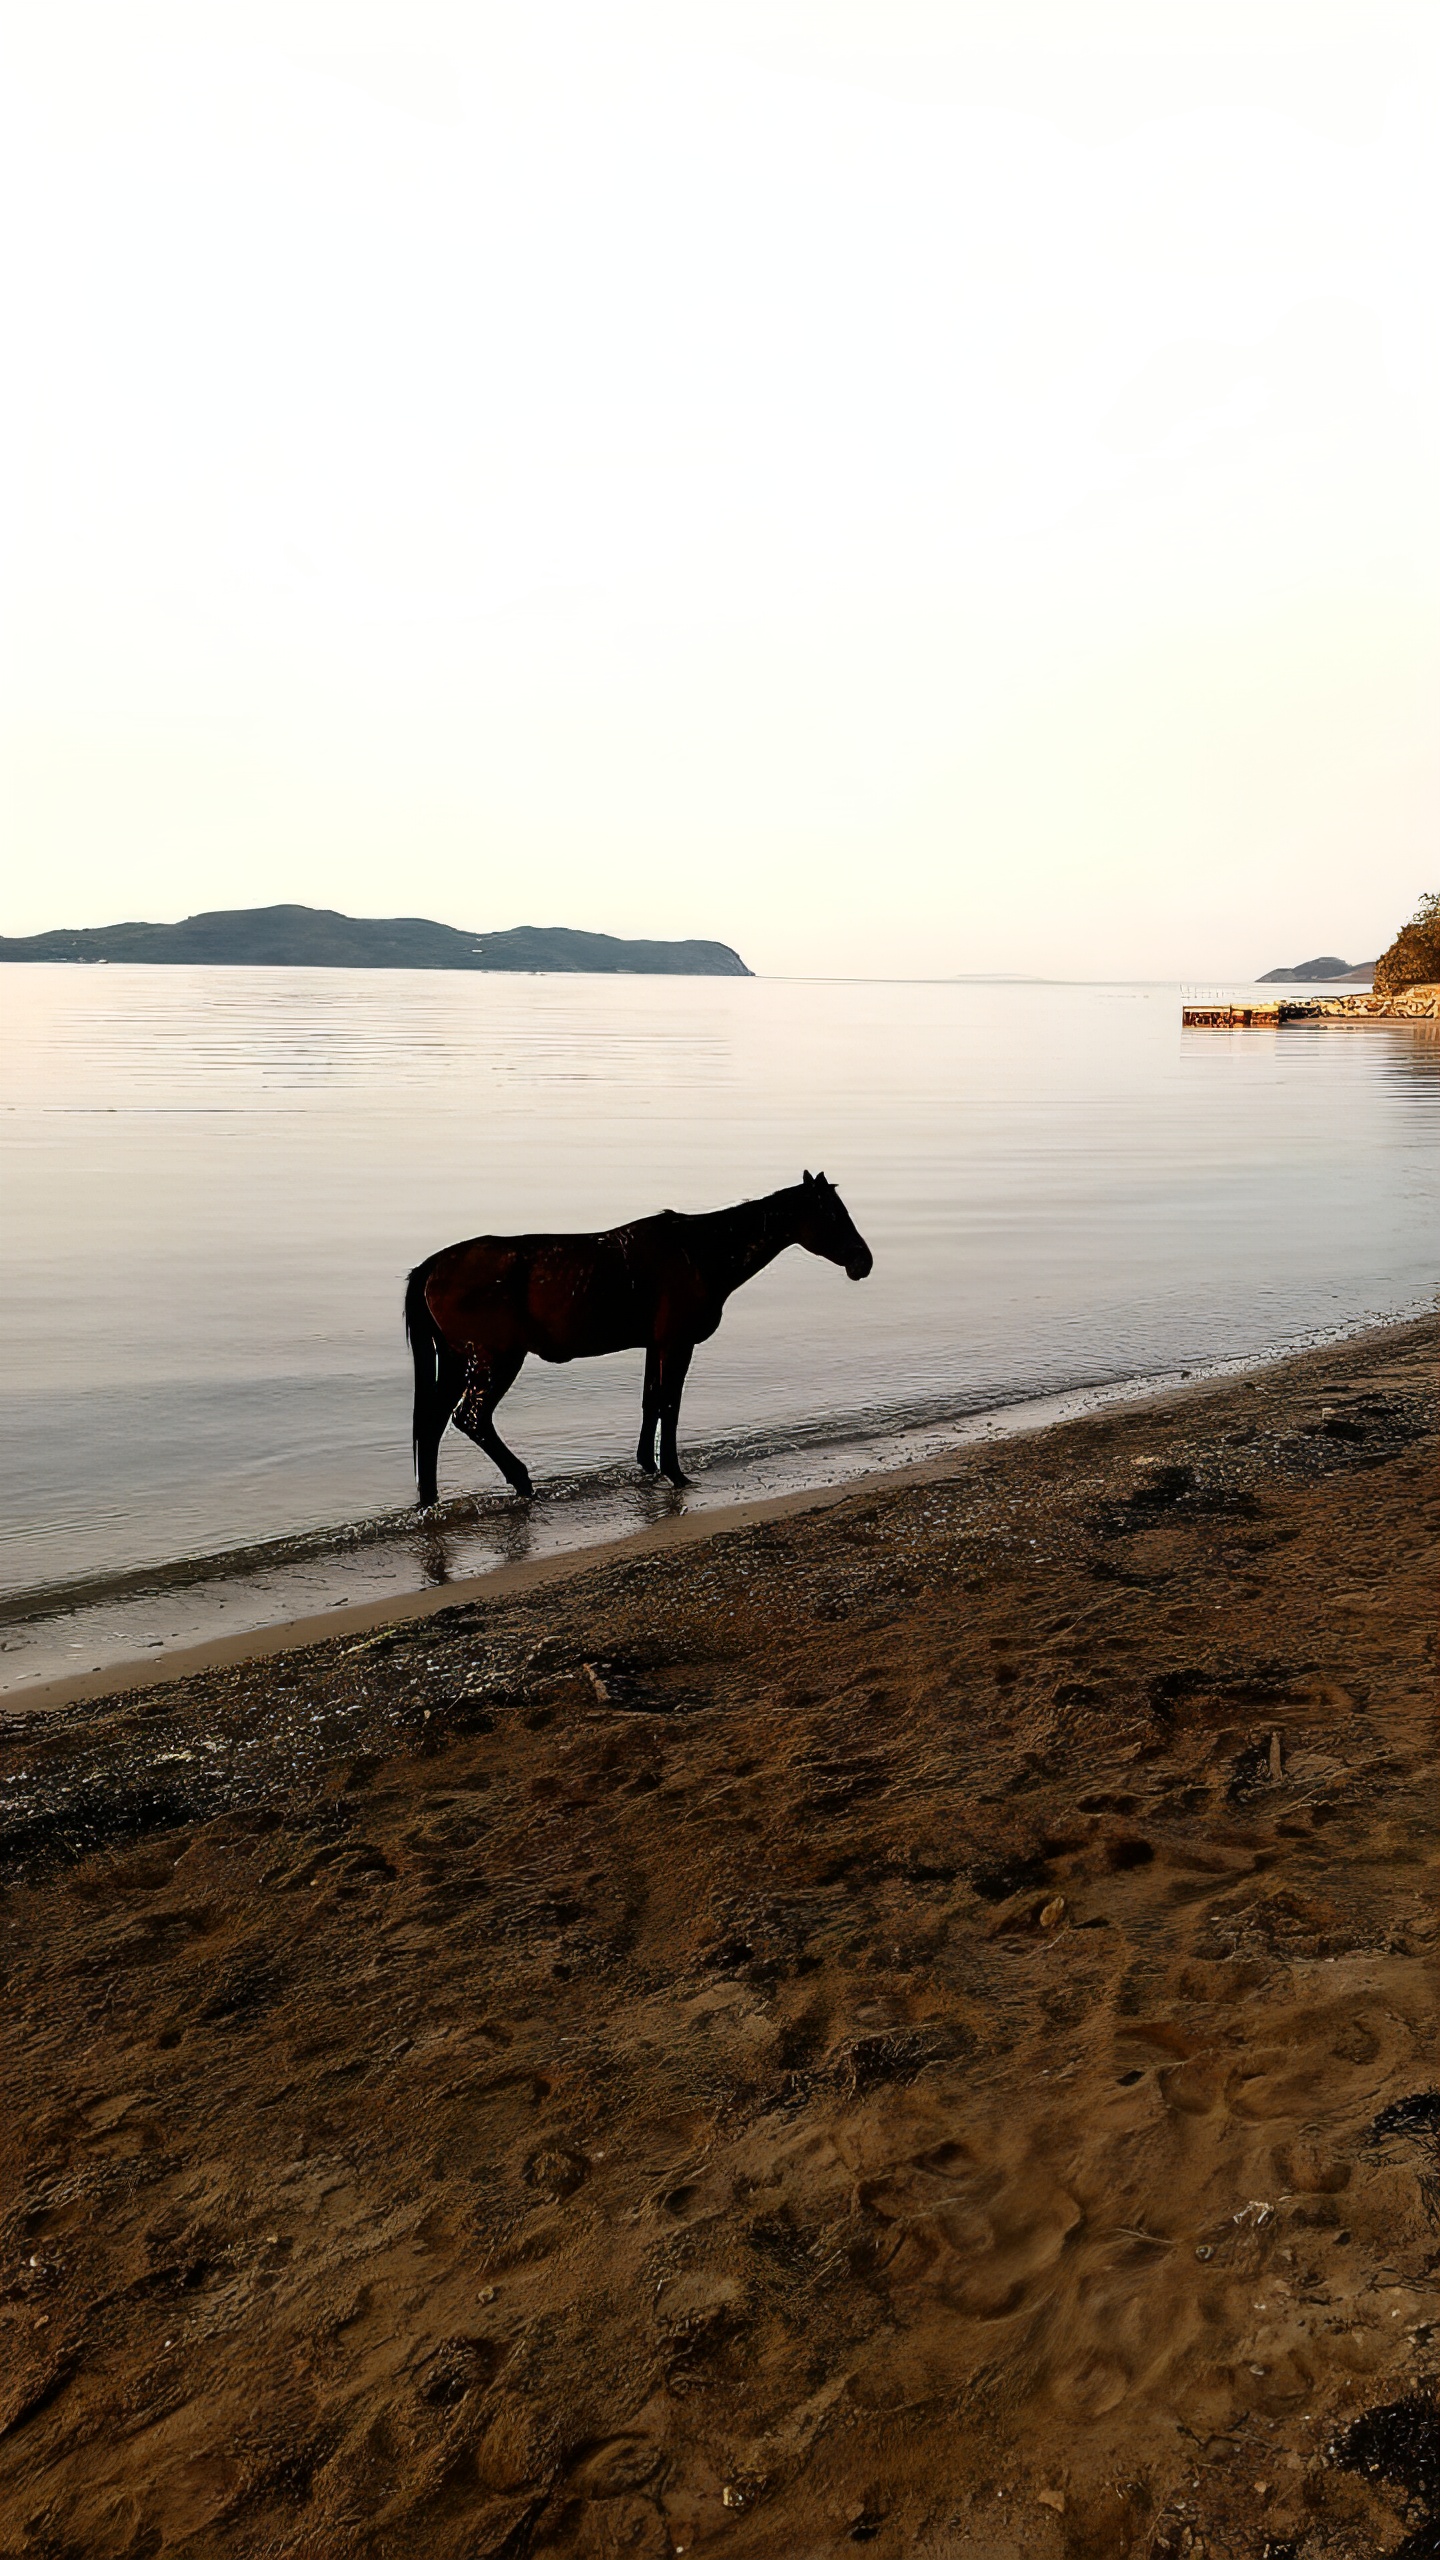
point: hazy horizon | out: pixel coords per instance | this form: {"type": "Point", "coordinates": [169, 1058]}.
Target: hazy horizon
{"type": "Point", "coordinates": [903, 489]}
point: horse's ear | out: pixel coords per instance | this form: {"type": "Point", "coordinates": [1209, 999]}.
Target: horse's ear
{"type": "Point", "coordinates": [809, 1181]}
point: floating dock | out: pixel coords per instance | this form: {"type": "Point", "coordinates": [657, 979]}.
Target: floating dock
{"type": "Point", "coordinates": [1272, 1013]}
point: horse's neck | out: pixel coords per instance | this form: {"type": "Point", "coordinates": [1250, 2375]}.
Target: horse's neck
{"type": "Point", "coordinates": [754, 1233]}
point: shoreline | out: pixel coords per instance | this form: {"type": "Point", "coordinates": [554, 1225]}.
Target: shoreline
{"type": "Point", "coordinates": [1030, 1418]}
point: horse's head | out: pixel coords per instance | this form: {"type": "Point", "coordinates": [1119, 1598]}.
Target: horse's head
{"type": "Point", "coordinates": [826, 1227]}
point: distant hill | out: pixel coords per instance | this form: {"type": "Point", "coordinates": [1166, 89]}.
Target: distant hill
{"type": "Point", "coordinates": [1357, 976]}
{"type": "Point", "coordinates": [319, 938]}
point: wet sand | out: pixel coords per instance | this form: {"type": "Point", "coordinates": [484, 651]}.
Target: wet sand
{"type": "Point", "coordinates": [906, 2023]}
{"type": "Point", "coordinates": [93, 1637]}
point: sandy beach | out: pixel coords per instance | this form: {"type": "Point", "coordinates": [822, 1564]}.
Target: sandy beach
{"type": "Point", "coordinates": [905, 2022]}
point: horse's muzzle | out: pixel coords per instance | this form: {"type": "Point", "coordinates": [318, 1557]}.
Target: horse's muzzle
{"type": "Point", "coordinates": [860, 1270]}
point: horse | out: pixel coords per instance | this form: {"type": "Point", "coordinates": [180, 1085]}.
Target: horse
{"type": "Point", "coordinates": [475, 1310]}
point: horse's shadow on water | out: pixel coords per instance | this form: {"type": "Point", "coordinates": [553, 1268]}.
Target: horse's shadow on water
{"type": "Point", "coordinates": [439, 1545]}
{"type": "Point", "coordinates": [510, 1532]}
{"type": "Point", "coordinates": [433, 1554]}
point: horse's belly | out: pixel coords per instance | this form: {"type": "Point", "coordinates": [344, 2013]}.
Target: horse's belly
{"type": "Point", "coordinates": [581, 1341]}
{"type": "Point", "coordinates": [581, 1319]}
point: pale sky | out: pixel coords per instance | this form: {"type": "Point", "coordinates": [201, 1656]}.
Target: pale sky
{"type": "Point", "coordinates": [904, 488]}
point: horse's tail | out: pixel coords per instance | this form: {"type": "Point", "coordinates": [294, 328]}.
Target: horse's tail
{"type": "Point", "coordinates": [423, 1335]}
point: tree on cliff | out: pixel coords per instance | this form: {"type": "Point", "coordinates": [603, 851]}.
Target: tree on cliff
{"type": "Point", "coordinates": [1413, 959]}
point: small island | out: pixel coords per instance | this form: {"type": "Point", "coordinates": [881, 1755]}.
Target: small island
{"type": "Point", "coordinates": [292, 937]}
{"type": "Point", "coordinates": [1326, 970]}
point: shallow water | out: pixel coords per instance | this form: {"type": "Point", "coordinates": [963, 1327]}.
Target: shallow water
{"type": "Point", "coordinates": [215, 1181]}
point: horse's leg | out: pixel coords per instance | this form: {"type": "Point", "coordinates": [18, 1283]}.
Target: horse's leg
{"type": "Point", "coordinates": [674, 1364]}
{"type": "Point", "coordinates": [649, 1413]}
{"type": "Point", "coordinates": [476, 1416]}
{"type": "Point", "coordinates": [430, 1426]}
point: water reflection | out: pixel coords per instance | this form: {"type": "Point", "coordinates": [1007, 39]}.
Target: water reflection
{"type": "Point", "coordinates": [466, 1538]}
{"type": "Point", "coordinates": [1412, 1053]}
{"type": "Point", "coordinates": [432, 1552]}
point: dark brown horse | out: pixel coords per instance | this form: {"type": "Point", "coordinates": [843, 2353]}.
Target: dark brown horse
{"type": "Point", "coordinates": [475, 1310]}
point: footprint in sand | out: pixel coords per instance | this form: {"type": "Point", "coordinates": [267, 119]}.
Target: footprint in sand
{"type": "Point", "coordinates": [1304, 2170]}
{"type": "Point", "coordinates": [975, 2232]}
{"type": "Point", "coordinates": [615, 2464]}
{"type": "Point", "coordinates": [457, 2367]}
{"type": "Point", "coordinates": [1293, 2066]}
{"type": "Point", "coordinates": [555, 2174]}
{"type": "Point", "coordinates": [1194, 2088]}
{"type": "Point", "coordinates": [1089, 2389]}
{"type": "Point", "coordinates": [1125, 2315]}
{"type": "Point", "coordinates": [1316, 2057]}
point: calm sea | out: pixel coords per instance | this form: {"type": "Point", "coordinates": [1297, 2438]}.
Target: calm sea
{"type": "Point", "coordinates": [215, 1181]}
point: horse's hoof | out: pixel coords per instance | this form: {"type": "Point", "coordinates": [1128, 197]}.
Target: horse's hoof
{"type": "Point", "coordinates": [523, 1492]}
{"type": "Point", "coordinates": [678, 1480]}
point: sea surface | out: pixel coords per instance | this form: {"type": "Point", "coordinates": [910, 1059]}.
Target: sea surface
{"type": "Point", "coordinates": [215, 1180]}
